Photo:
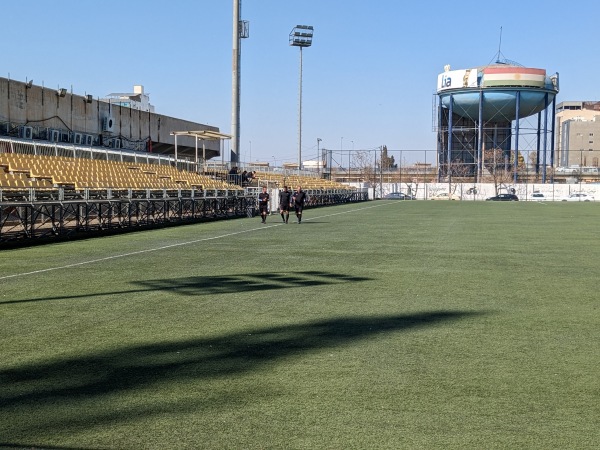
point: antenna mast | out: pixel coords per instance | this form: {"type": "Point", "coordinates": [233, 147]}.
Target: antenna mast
{"type": "Point", "coordinates": [499, 46]}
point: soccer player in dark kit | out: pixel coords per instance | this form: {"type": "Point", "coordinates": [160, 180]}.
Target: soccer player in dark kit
{"type": "Point", "coordinates": [263, 204]}
{"type": "Point", "coordinates": [298, 200]}
{"type": "Point", "coordinates": [285, 199]}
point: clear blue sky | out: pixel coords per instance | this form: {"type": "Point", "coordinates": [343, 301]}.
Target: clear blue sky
{"type": "Point", "coordinates": [368, 78]}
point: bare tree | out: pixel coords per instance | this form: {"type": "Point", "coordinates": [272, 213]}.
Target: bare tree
{"type": "Point", "coordinates": [461, 172]}
{"type": "Point", "coordinates": [363, 162]}
{"type": "Point", "coordinates": [532, 157]}
{"type": "Point", "coordinates": [366, 165]}
{"type": "Point", "coordinates": [532, 162]}
{"type": "Point", "coordinates": [500, 167]}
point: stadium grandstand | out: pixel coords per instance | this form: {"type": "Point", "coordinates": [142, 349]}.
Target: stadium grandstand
{"type": "Point", "coordinates": [50, 190]}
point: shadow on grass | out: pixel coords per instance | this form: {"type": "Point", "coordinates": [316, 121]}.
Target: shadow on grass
{"type": "Point", "coordinates": [229, 284]}
{"type": "Point", "coordinates": [223, 284]}
{"type": "Point", "coordinates": [82, 392]}
{"type": "Point", "coordinates": [9, 446]}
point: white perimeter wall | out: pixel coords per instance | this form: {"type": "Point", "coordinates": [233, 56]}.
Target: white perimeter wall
{"type": "Point", "coordinates": [481, 191]}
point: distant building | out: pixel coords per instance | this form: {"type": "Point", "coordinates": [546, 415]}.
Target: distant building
{"type": "Point", "coordinates": [137, 100]}
{"type": "Point", "coordinates": [578, 133]}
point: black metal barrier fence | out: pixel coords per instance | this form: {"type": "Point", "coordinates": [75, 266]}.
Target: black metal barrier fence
{"type": "Point", "coordinates": [24, 223]}
{"type": "Point", "coordinates": [337, 198]}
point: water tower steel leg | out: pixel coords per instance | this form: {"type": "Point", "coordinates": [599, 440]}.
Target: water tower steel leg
{"type": "Point", "coordinates": [440, 143]}
{"type": "Point", "coordinates": [480, 138]}
{"type": "Point", "coordinates": [552, 138]}
{"type": "Point", "coordinates": [545, 137]}
{"type": "Point", "coordinates": [517, 117]}
{"type": "Point", "coordinates": [450, 112]}
{"type": "Point", "coordinates": [539, 143]}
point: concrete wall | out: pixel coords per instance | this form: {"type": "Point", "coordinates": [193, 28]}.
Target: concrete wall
{"type": "Point", "coordinates": [41, 108]}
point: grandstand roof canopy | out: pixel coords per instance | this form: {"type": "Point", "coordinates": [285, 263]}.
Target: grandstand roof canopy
{"type": "Point", "coordinates": [206, 135]}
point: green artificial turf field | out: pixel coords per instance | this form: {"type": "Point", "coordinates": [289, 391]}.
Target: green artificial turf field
{"type": "Point", "coordinates": [375, 325]}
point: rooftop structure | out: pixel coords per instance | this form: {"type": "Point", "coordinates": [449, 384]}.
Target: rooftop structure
{"type": "Point", "coordinates": [135, 100]}
{"type": "Point", "coordinates": [578, 106]}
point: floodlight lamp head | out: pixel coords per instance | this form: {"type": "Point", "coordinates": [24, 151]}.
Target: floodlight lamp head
{"type": "Point", "coordinates": [61, 92]}
{"type": "Point", "coordinates": [301, 36]}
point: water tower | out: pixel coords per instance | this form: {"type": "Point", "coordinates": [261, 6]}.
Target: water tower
{"type": "Point", "coordinates": [492, 107]}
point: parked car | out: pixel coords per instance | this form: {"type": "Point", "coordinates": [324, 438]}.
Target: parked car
{"type": "Point", "coordinates": [538, 197]}
{"type": "Point", "coordinates": [445, 196]}
{"type": "Point", "coordinates": [399, 196]}
{"type": "Point", "coordinates": [568, 170]}
{"type": "Point", "coordinates": [578, 197]}
{"type": "Point", "coordinates": [504, 198]}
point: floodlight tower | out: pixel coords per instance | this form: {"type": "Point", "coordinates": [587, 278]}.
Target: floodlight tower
{"type": "Point", "coordinates": [301, 36]}
{"type": "Point", "coordinates": [241, 31]}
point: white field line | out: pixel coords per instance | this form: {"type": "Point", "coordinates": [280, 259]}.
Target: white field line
{"type": "Point", "coordinates": [180, 244]}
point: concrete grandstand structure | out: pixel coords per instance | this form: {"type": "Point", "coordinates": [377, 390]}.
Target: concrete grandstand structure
{"type": "Point", "coordinates": [36, 112]}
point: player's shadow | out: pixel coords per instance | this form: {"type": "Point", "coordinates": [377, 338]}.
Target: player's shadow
{"type": "Point", "coordinates": [75, 393]}
{"type": "Point", "coordinates": [218, 284]}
